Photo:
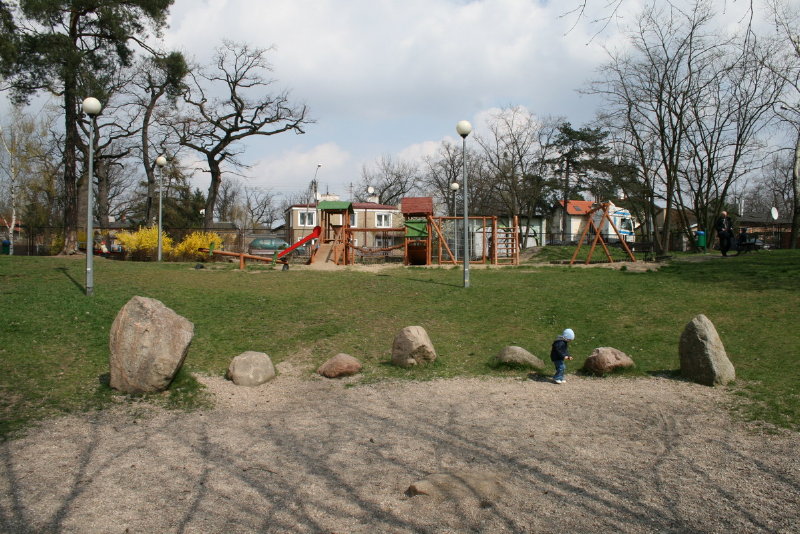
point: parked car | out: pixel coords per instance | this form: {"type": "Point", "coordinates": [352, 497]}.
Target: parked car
{"type": "Point", "coordinates": [266, 246]}
{"type": "Point", "coordinates": [759, 244]}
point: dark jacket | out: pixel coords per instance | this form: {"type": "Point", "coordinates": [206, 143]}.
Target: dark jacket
{"type": "Point", "coordinates": [559, 350]}
{"type": "Point", "coordinates": [724, 227]}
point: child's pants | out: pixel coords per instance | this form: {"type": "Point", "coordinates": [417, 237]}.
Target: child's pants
{"type": "Point", "coordinates": [560, 368]}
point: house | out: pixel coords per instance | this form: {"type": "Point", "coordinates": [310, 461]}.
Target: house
{"type": "Point", "coordinates": [575, 218]}
{"type": "Point", "coordinates": [369, 217]}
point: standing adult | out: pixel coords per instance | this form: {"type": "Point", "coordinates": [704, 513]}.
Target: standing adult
{"type": "Point", "coordinates": [724, 229]}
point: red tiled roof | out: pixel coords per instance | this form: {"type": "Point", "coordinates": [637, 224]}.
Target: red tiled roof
{"type": "Point", "coordinates": [417, 206]}
{"type": "Point", "coordinates": [577, 207]}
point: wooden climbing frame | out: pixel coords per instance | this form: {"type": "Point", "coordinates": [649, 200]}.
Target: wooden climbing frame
{"type": "Point", "coordinates": [598, 235]}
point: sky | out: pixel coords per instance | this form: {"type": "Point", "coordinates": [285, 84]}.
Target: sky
{"type": "Point", "coordinates": [392, 78]}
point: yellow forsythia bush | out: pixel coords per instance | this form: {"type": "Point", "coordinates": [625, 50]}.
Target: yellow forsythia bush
{"type": "Point", "coordinates": [187, 249]}
{"type": "Point", "coordinates": [144, 242]}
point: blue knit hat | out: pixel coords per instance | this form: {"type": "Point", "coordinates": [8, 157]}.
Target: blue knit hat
{"type": "Point", "coordinates": [568, 334]}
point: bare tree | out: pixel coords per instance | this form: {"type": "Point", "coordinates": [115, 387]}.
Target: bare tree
{"type": "Point", "coordinates": [215, 127]}
{"type": "Point", "coordinates": [517, 151]}
{"type": "Point", "coordinates": [11, 162]}
{"type": "Point", "coordinates": [773, 188]}
{"type": "Point", "coordinates": [785, 63]}
{"type": "Point", "coordinates": [261, 206]}
{"type": "Point", "coordinates": [440, 172]}
{"type": "Point", "coordinates": [445, 168]}
{"type": "Point", "coordinates": [733, 104]}
{"type": "Point", "coordinates": [157, 82]}
{"type": "Point", "coordinates": [253, 207]}
{"type": "Point", "coordinates": [31, 173]}
{"type": "Point", "coordinates": [611, 9]}
{"type": "Point", "coordinates": [390, 180]}
{"type": "Point", "coordinates": [651, 90]}
{"type": "Point", "coordinates": [114, 142]}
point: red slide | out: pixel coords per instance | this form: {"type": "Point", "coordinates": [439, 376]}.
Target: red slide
{"type": "Point", "coordinates": [314, 234]}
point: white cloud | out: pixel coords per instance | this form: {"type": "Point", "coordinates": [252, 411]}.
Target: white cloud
{"type": "Point", "coordinates": [393, 78]}
{"type": "Point", "coordinates": [417, 152]}
{"type": "Point", "coordinates": [292, 170]}
{"type": "Point", "coordinates": [381, 60]}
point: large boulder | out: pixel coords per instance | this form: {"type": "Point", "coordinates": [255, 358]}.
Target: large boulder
{"type": "Point", "coordinates": [340, 365]}
{"type": "Point", "coordinates": [702, 355]}
{"type": "Point", "coordinates": [515, 355]}
{"type": "Point", "coordinates": [148, 343]}
{"type": "Point", "coordinates": [412, 346]}
{"type": "Point", "coordinates": [251, 369]}
{"type": "Point", "coordinates": [604, 360]}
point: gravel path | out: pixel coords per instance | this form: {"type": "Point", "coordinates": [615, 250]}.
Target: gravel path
{"type": "Point", "coordinates": [299, 455]}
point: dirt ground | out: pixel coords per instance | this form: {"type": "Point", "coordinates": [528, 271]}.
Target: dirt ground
{"type": "Point", "coordinates": [318, 455]}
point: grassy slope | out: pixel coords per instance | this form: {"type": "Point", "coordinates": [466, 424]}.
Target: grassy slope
{"type": "Point", "coordinates": [54, 348]}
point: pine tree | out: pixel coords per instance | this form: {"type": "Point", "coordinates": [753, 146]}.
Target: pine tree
{"type": "Point", "coordinates": [68, 47]}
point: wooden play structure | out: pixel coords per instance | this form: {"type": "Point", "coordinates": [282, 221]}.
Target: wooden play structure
{"type": "Point", "coordinates": [424, 239]}
{"type": "Point", "coordinates": [597, 230]}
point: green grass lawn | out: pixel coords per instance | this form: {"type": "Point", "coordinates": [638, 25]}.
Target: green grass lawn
{"type": "Point", "coordinates": [54, 339]}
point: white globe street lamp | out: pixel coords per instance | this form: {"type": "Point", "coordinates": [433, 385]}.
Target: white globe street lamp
{"type": "Point", "coordinates": [160, 162]}
{"type": "Point", "coordinates": [91, 106]}
{"type": "Point", "coordinates": [454, 187]}
{"type": "Point", "coordinates": [464, 128]}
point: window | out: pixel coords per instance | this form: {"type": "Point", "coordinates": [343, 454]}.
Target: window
{"type": "Point", "coordinates": [307, 218]}
{"type": "Point", "coordinates": [384, 241]}
{"type": "Point", "coordinates": [383, 220]}
{"type": "Point", "coordinates": [353, 220]}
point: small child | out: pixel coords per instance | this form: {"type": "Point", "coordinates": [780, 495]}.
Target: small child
{"type": "Point", "coordinates": [559, 353]}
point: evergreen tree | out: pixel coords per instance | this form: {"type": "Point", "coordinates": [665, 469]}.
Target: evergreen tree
{"type": "Point", "coordinates": [67, 47]}
{"type": "Point", "coordinates": [582, 163]}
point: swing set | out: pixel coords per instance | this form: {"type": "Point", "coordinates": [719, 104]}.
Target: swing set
{"type": "Point", "coordinates": [598, 234]}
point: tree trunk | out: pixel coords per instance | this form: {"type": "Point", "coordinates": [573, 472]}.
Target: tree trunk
{"type": "Point", "coordinates": [103, 209]}
{"type": "Point", "coordinates": [70, 144]}
{"type": "Point", "coordinates": [796, 201]}
{"type": "Point", "coordinates": [70, 175]}
{"type": "Point", "coordinates": [146, 160]}
{"type": "Point", "coordinates": [213, 190]}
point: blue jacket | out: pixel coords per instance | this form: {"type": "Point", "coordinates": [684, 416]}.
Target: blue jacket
{"type": "Point", "coordinates": [559, 350]}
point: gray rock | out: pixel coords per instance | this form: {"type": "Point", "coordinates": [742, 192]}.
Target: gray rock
{"type": "Point", "coordinates": [251, 369]}
{"type": "Point", "coordinates": [519, 356]}
{"type": "Point", "coordinates": [412, 346]}
{"type": "Point", "coordinates": [604, 360]}
{"type": "Point", "coordinates": [148, 344]}
{"type": "Point", "coordinates": [460, 485]}
{"type": "Point", "coordinates": [340, 365]}
{"type": "Point", "coordinates": [702, 355]}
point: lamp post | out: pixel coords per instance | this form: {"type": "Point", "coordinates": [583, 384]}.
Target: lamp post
{"type": "Point", "coordinates": [454, 188]}
{"type": "Point", "coordinates": [160, 162]}
{"type": "Point", "coordinates": [91, 106]}
{"type": "Point", "coordinates": [464, 128]}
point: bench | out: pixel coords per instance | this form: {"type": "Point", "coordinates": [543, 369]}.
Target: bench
{"type": "Point", "coordinates": [642, 247]}
{"type": "Point", "coordinates": [746, 247]}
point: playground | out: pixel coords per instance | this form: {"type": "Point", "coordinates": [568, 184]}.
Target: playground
{"type": "Point", "coordinates": [424, 239]}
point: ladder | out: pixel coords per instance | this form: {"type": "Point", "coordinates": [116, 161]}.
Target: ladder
{"type": "Point", "coordinates": [506, 245]}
